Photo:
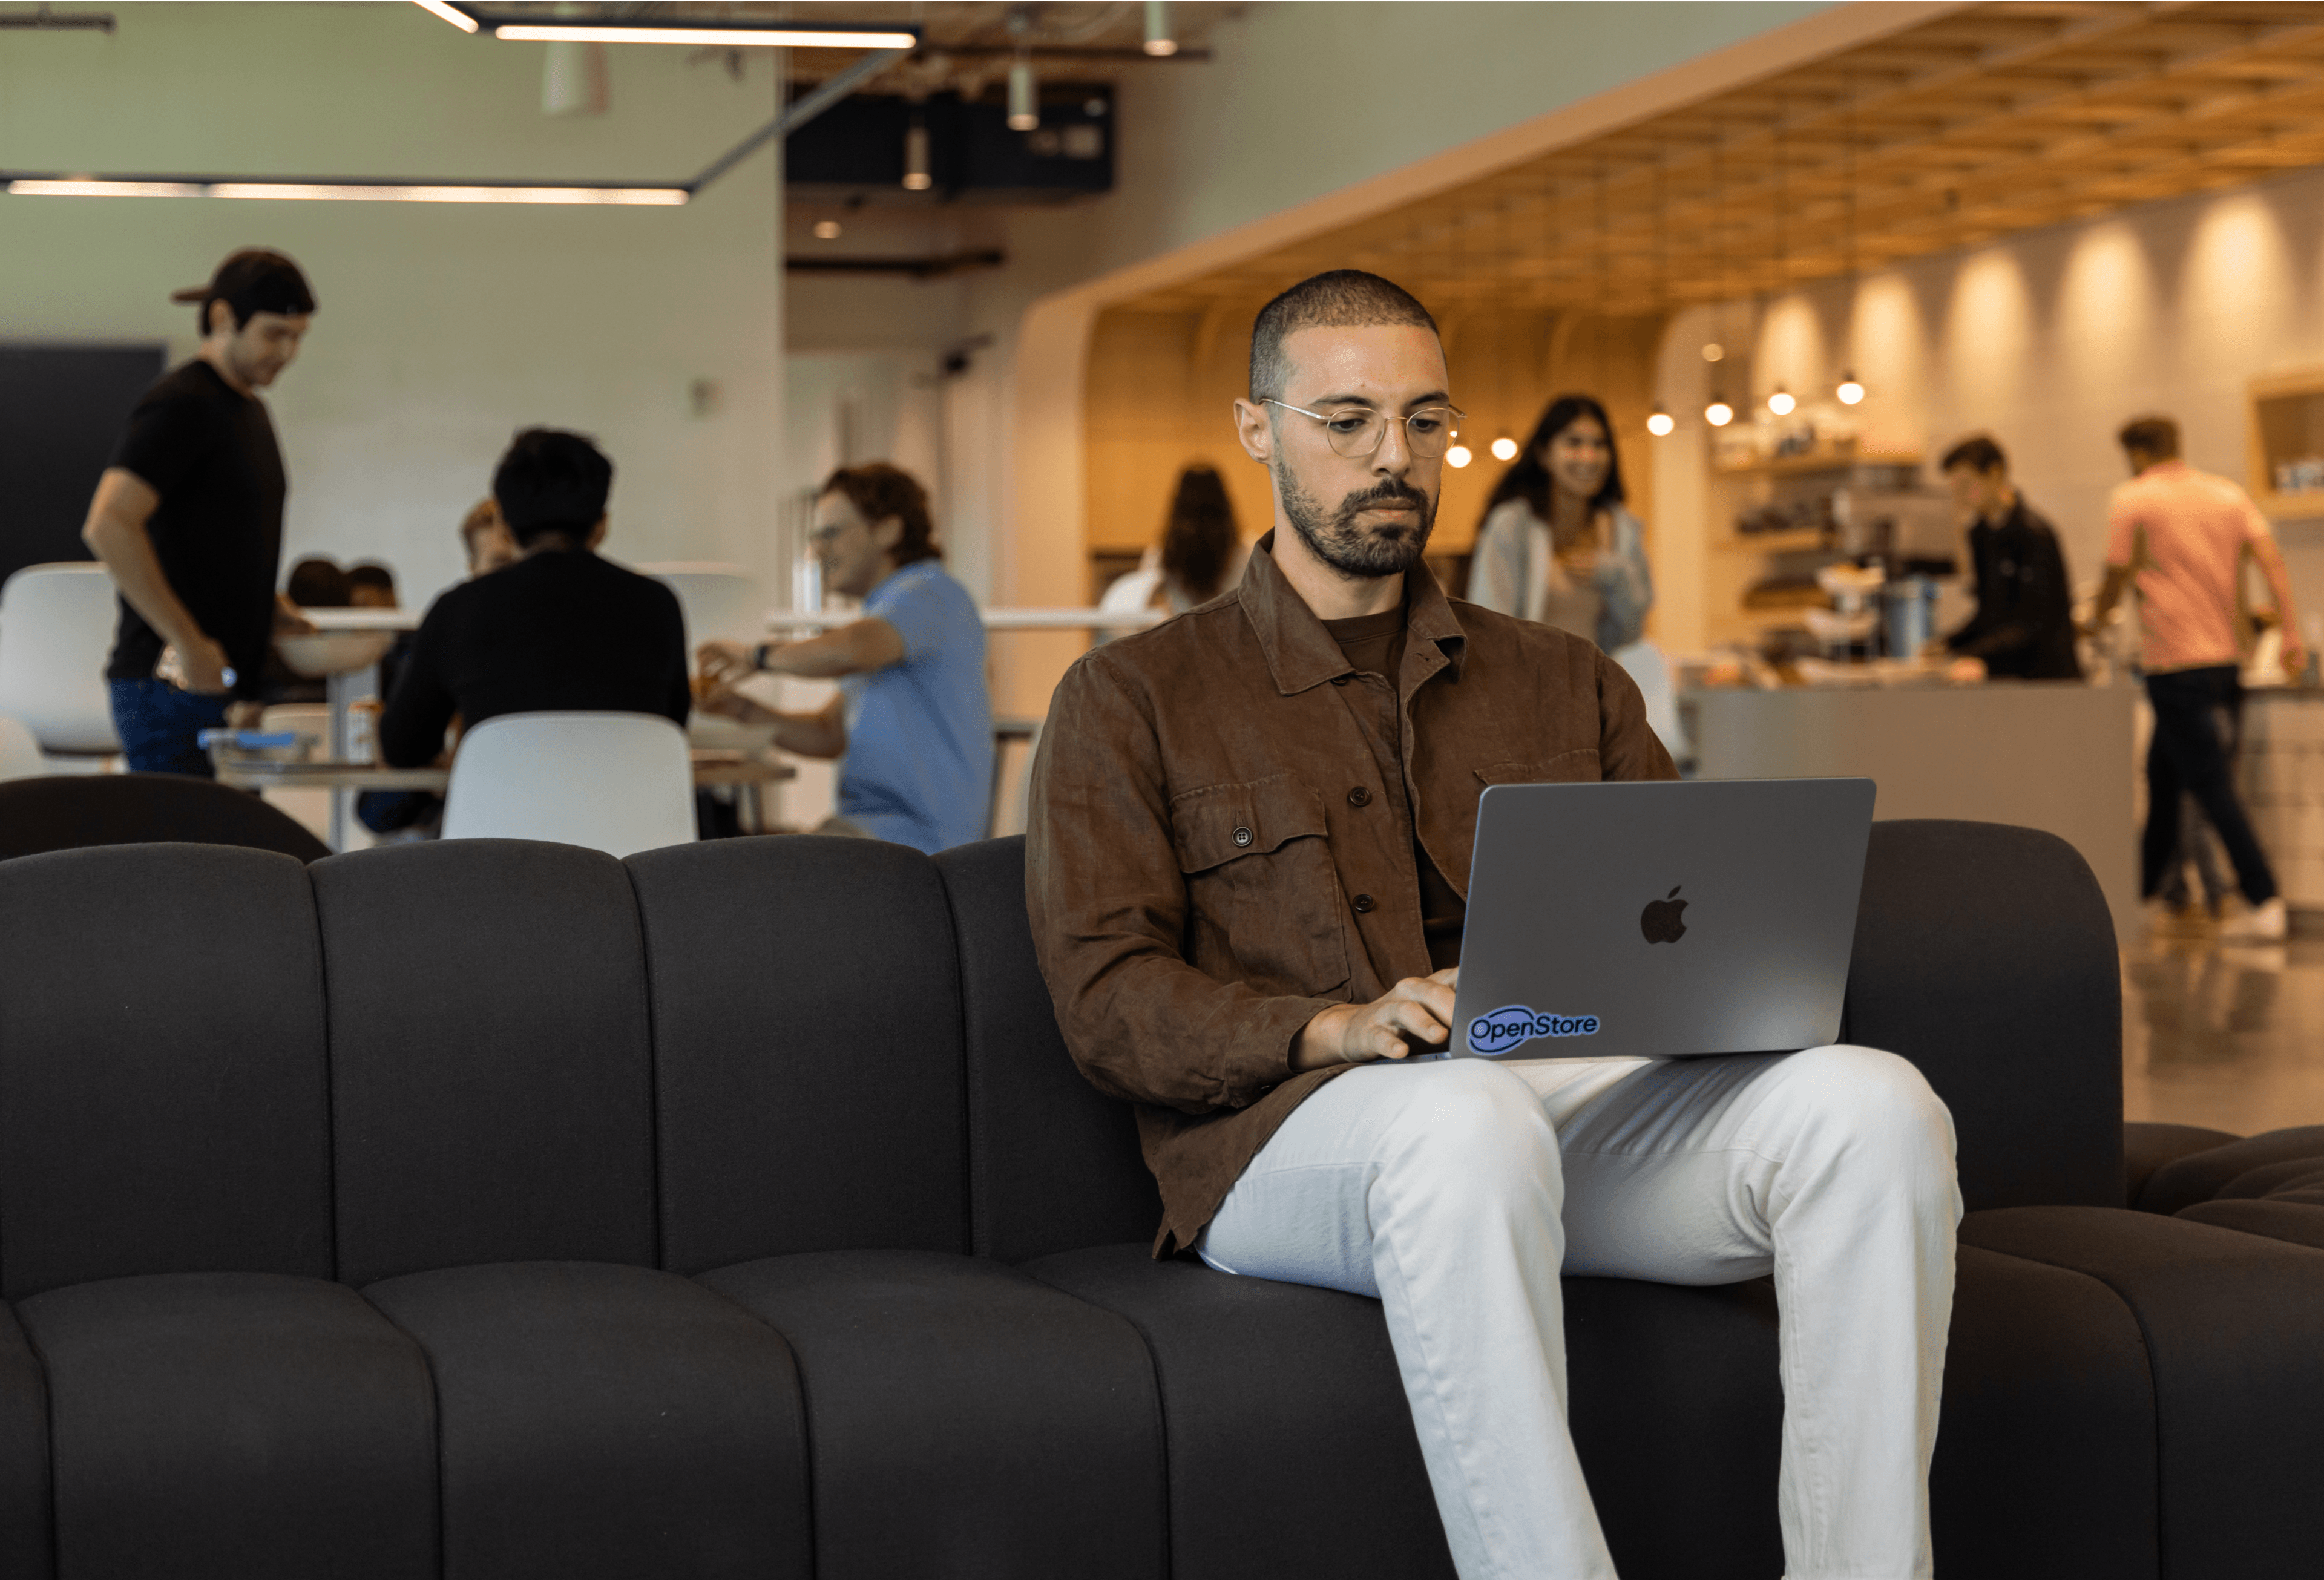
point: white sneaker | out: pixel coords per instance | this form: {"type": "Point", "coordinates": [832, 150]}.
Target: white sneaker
{"type": "Point", "coordinates": [2258, 924]}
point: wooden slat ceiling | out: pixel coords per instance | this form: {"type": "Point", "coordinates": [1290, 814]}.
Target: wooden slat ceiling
{"type": "Point", "coordinates": [1992, 119]}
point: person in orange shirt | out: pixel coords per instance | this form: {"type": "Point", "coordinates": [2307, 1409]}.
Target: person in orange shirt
{"type": "Point", "coordinates": [2179, 536]}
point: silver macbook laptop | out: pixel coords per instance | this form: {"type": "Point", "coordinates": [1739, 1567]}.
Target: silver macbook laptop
{"type": "Point", "coordinates": [1613, 921]}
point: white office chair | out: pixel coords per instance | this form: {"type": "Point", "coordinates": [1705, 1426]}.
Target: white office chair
{"type": "Point", "coordinates": [56, 629]}
{"type": "Point", "coordinates": [722, 601]}
{"type": "Point", "coordinates": [620, 782]}
{"type": "Point", "coordinates": [20, 754]}
{"type": "Point", "coordinates": [1644, 661]}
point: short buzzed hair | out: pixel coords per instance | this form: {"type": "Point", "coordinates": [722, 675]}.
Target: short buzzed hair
{"type": "Point", "coordinates": [2151, 436]}
{"type": "Point", "coordinates": [1343, 299]}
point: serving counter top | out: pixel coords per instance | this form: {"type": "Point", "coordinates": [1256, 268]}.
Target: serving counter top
{"type": "Point", "coordinates": [2051, 755]}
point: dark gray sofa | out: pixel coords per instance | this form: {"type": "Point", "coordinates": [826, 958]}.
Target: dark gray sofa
{"type": "Point", "coordinates": [500, 1210]}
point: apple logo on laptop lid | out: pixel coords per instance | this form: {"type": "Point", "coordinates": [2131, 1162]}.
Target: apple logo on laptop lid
{"type": "Point", "coordinates": [1663, 921]}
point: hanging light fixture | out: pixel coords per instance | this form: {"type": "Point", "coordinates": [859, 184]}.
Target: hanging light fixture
{"type": "Point", "coordinates": [1781, 402]}
{"type": "Point", "coordinates": [1024, 95]}
{"type": "Point", "coordinates": [1851, 388]}
{"type": "Point", "coordinates": [1505, 448]}
{"type": "Point", "coordinates": [1717, 412]}
{"type": "Point", "coordinates": [1161, 39]}
{"type": "Point", "coordinates": [1458, 456]}
{"type": "Point", "coordinates": [1024, 90]}
{"type": "Point", "coordinates": [916, 177]}
{"type": "Point", "coordinates": [1659, 422]}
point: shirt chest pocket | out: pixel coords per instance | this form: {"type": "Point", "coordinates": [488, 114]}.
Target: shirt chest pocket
{"type": "Point", "coordinates": [1264, 891]}
{"type": "Point", "coordinates": [1577, 767]}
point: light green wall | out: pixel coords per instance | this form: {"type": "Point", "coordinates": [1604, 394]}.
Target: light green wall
{"type": "Point", "coordinates": [442, 328]}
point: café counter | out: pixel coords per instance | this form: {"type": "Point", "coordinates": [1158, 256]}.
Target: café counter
{"type": "Point", "coordinates": [2051, 755]}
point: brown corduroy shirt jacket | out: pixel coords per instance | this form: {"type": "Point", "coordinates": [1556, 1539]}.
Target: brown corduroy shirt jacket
{"type": "Point", "coordinates": [1221, 840]}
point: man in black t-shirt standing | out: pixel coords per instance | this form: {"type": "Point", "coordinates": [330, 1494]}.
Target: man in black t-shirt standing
{"type": "Point", "coordinates": [189, 518]}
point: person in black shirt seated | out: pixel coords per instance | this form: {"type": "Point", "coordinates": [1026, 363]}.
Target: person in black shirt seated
{"type": "Point", "coordinates": [560, 631]}
{"type": "Point", "coordinates": [2023, 626]}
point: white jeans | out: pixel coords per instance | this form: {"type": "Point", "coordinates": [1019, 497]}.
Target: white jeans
{"type": "Point", "coordinates": [1454, 1192]}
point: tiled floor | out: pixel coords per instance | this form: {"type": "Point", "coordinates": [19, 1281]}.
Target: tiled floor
{"type": "Point", "coordinates": [2228, 1038]}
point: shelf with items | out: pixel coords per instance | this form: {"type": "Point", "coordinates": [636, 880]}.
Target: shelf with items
{"type": "Point", "coordinates": [2286, 438]}
{"type": "Point", "coordinates": [1777, 522]}
{"type": "Point", "coordinates": [1818, 464]}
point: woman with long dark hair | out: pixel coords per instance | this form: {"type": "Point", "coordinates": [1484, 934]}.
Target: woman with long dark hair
{"type": "Point", "coordinates": [1557, 544]}
{"type": "Point", "coordinates": [1201, 555]}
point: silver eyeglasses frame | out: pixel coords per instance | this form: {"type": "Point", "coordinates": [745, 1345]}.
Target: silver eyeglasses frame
{"type": "Point", "coordinates": [1451, 414]}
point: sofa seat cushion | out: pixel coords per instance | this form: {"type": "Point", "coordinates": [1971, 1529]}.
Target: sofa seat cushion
{"type": "Point", "coordinates": [1665, 1383]}
{"type": "Point", "coordinates": [24, 1546]}
{"type": "Point", "coordinates": [599, 1419]}
{"type": "Point", "coordinates": [2045, 1459]}
{"type": "Point", "coordinates": [2233, 1327]}
{"type": "Point", "coordinates": [1256, 1376]}
{"type": "Point", "coordinates": [2045, 1455]}
{"type": "Point", "coordinates": [2205, 1173]}
{"type": "Point", "coordinates": [2147, 1147]}
{"type": "Point", "coordinates": [234, 1424]}
{"type": "Point", "coordinates": [965, 1419]}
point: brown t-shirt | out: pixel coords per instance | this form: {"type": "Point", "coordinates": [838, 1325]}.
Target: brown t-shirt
{"type": "Point", "coordinates": [1374, 643]}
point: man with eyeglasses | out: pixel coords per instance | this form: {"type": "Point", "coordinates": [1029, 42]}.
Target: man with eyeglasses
{"type": "Point", "coordinates": [1250, 829]}
{"type": "Point", "coordinates": [912, 721]}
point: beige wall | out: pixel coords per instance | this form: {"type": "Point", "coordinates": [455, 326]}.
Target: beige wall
{"type": "Point", "coordinates": [443, 328]}
{"type": "Point", "coordinates": [2049, 340]}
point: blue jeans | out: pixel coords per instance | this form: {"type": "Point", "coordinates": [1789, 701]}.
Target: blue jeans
{"type": "Point", "coordinates": [158, 723]}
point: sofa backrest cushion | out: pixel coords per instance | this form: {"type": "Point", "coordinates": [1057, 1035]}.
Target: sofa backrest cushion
{"type": "Point", "coordinates": [67, 812]}
{"type": "Point", "coordinates": [164, 1103]}
{"type": "Point", "coordinates": [1055, 1161]}
{"type": "Point", "coordinates": [1986, 955]}
{"type": "Point", "coordinates": [808, 1046]}
{"type": "Point", "coordinates": [492, 1073]}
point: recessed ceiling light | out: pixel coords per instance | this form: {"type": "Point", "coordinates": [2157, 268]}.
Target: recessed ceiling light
{"type": "Point", "coordinates": [765, 38]}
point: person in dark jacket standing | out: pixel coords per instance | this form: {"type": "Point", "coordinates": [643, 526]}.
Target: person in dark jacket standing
{"type": "Point", "coordinates": [188, 517]}
{"type": "Point", "coordinates": [2023, 628]}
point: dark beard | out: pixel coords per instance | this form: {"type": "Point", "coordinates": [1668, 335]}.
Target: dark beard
{"type": "Point", "coordinates": [1348, 548]}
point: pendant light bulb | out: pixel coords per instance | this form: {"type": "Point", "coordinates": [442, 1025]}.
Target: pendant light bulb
{"type": "Point", "coordinates": [1718, 414]}
{"type": "Point", "coordinates": [1161, 39]}
{"type": "Point", "coordinates": [1849, 392]}
{"type": "Point", "coordinates": [1781, 402]}
{"type": "Point", "coordinates": [1024, 97]}
{"type": "Point", "coordinates": [1505, 448]}
{"type": "Point", "coordinates": [916, 158]}
{"type": "Point", "coordinates": [1458, 456]}
{"type": "Point", "coordinates": [1661, 423]}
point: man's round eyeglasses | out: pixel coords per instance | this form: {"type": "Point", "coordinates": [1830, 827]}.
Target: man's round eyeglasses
{"type": "Point", "coordinates": [1355, 431]}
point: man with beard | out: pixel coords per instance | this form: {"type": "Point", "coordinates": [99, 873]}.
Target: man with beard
{"type": "Point", "coordinates": [1251, 830]}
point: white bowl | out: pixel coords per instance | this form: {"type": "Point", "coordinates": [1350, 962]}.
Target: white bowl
{"type": "Point", "coordinates": [333, 652]}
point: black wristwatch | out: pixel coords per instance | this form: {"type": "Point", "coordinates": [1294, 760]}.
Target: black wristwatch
{"type": "Point", "coordinates": [759, 655]}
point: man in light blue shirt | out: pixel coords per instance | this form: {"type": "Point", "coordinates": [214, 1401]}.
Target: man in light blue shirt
{"type": "Point", "coordinates": [912, 721]}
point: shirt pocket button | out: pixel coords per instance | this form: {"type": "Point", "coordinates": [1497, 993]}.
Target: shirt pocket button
{"type": "Point", "coordinates": [1242, 837]}
{"type": "Point", "coordinates": [1360, 796]}
{"type": "Point", "coordinates": [1363, 903]}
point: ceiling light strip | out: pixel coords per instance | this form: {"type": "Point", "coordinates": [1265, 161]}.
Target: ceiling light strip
{"type": "Point", "coordinates": [451, 14]}
{"type": "Point", "coordinates": [792, 38]}
{"type": "Point", "coordinates": [343, 191]}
